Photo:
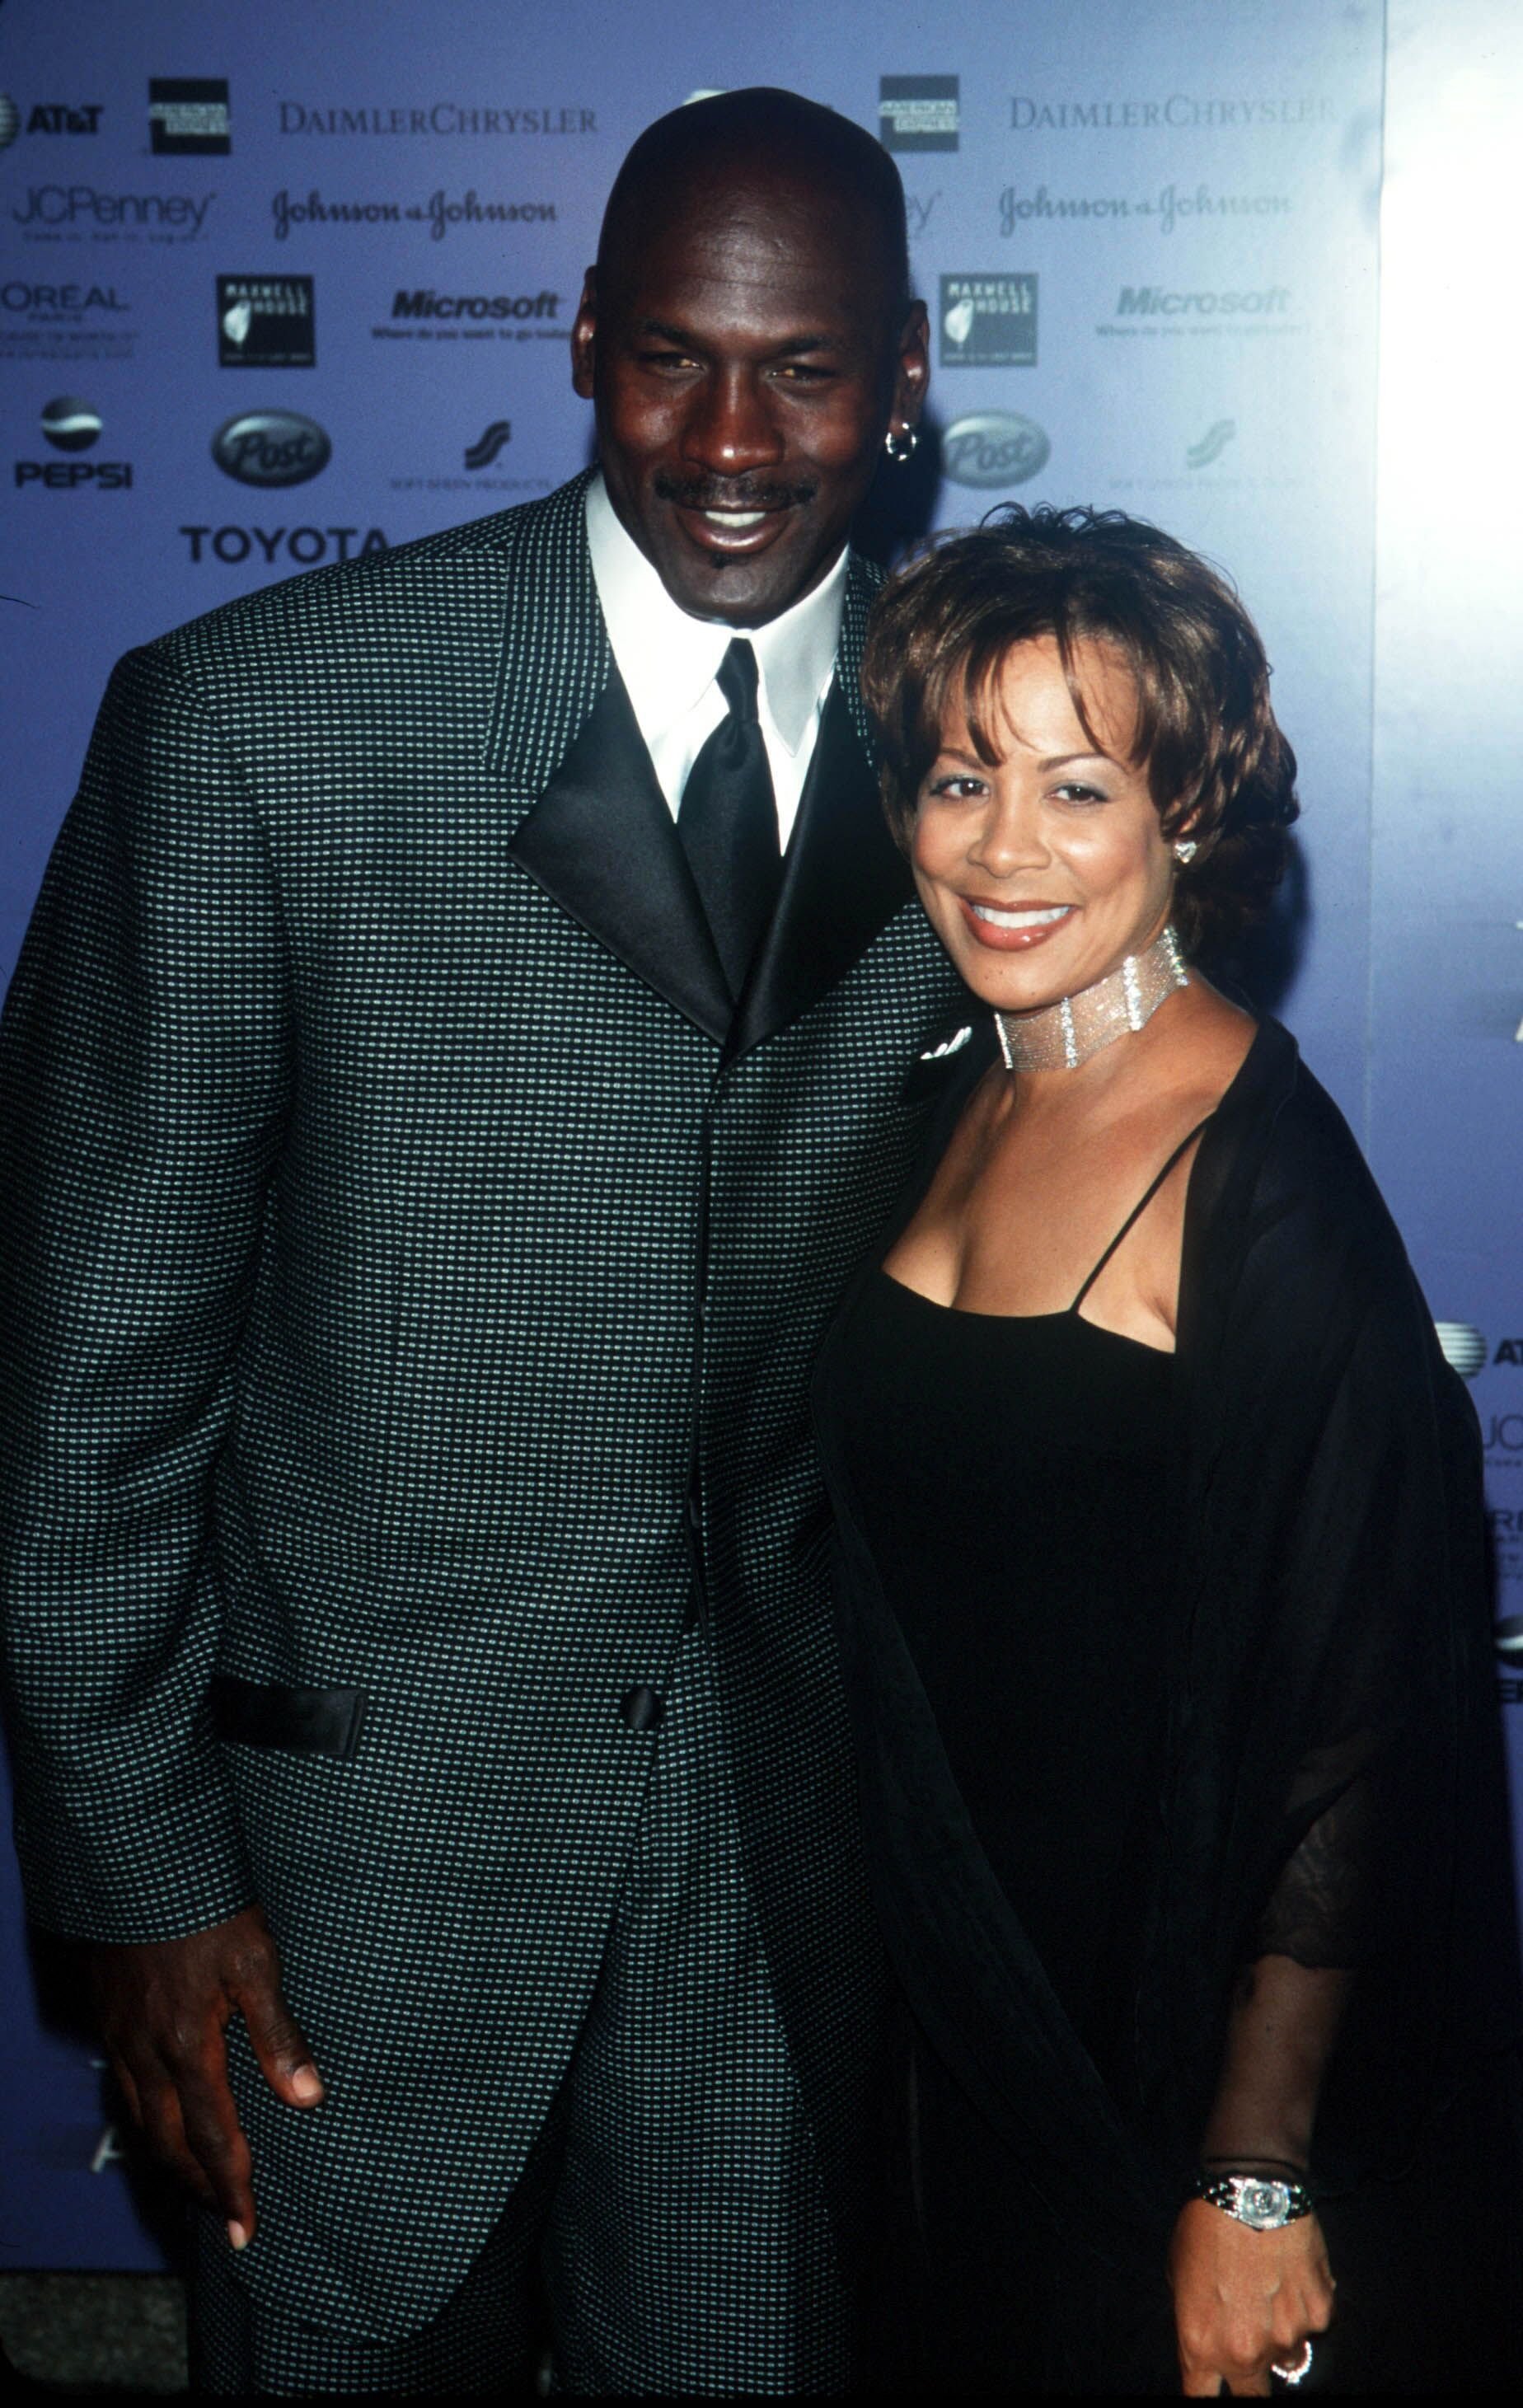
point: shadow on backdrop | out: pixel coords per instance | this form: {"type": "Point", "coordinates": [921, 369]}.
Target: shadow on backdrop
{"type": "Point", "coordinates": [61, 1985]}
{"type": "Point", "coordinates": [901, 507]}
{"type": "Point", "coordinates": [1260, 967]}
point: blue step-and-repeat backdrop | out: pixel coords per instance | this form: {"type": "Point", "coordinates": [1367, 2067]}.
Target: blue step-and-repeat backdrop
{"type": "Point", "coordinates": [283, 285]}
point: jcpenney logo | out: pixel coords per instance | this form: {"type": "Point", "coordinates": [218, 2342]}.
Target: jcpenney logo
{"type": "Point", "coordinates": [271, 447]}
{"type": "Point", "coordinates": [51, 206]}
{"type": "Point", "coordinates": [994, 449]}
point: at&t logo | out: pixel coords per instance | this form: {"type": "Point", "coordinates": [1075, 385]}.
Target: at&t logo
{"type": "Point", "coordinates": [1466, 1351]}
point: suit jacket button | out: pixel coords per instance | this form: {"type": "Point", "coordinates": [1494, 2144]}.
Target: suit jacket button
{"type": "Point", "coordinates": [641, 1709]}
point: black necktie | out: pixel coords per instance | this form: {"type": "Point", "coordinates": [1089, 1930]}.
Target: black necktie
{"type": "Point", "coordinates": [727, 821]}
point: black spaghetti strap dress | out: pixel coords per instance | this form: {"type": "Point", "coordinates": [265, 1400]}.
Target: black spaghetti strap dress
{"type": "Point", "coordinates": [1011, 1479]}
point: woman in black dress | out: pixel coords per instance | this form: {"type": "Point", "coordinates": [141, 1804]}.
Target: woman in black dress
{"type": "Point", "coordinates": [1163, 1610]}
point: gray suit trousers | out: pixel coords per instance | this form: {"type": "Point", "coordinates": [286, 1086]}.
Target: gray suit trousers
{"type": "Point", "coordinates": [669, 2223]}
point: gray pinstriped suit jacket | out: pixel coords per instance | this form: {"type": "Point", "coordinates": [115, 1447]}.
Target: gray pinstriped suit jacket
{"type": "Point", "coordinates": [413, 1268]}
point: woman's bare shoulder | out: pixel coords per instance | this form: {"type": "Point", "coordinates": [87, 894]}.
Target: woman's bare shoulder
{"type": "Point", "coordinates": [1205, 1046]}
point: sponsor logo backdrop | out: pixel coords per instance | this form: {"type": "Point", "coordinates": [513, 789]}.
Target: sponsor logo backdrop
{"type": "Point", "coordinates": [288, 286]}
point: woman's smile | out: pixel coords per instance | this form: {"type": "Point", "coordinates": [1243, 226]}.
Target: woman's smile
{"type": "Point", "coordinates": [1012, 927]}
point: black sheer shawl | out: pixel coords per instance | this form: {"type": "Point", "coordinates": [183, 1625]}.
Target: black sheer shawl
{"type": "Point", "coordinates": [1333, 1798]}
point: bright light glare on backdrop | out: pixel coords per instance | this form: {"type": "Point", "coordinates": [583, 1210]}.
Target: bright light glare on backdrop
{"type": "Point", "coordinates": [1451, 340]}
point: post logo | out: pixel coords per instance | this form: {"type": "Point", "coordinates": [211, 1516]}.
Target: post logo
{"type": "Point", "coordinates": [271, 447]}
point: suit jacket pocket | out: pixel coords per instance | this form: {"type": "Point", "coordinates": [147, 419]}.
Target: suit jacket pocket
{"type": "Point", "coordinates": [272, 1713]}
{"type": "Point", "coordinates": [932, 1073]}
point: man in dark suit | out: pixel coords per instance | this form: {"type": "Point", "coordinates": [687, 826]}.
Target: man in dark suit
{"type": "Point", "coordinates": [474, 1016]}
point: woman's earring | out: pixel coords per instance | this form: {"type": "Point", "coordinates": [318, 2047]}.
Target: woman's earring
{"type": "Point", "coordinates": [1185, 849]}
{"type": "Point", "coordinates": [900, 448]}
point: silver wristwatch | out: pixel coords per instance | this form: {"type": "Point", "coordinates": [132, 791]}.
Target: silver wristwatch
{"type": "Point", "coordinates": [1263, 2202]}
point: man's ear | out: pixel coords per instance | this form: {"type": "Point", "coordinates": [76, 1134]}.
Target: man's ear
{"type": "Point", "coordinates": [584, 338]}
{"type": "Point", "coordinates": [912, 374]}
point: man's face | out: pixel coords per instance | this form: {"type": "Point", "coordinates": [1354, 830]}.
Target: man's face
{"type": "Point", "coordinates": [745, 372]}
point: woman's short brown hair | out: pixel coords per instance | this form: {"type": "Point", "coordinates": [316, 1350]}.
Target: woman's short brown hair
{"type": "Point", "coordinates": [1216, 761]}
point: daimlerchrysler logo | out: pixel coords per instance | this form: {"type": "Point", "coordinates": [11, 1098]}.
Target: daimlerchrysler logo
{"type": "Point", "coordinates": [271, 447]}
{"type": "Point", "coordinates": [993, 449]}
{"type": "Point", "coordinates": [438, 117]}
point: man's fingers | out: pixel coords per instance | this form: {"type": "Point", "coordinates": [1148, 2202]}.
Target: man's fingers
{"type": "Point", "coordinates": [122, 2075]}
{"type": "Point", "coordinates": [1200, 2382]}
{"type": "Point", "coordinates": [215, 2139]}
{"type": "Point", "coordinates": [163, 2128]}
{"type": "Point", "coordinates": [278, 2042]}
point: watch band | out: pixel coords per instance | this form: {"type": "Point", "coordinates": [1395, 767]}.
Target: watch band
{"type": "Point", "coordinates": [1263, 2202]}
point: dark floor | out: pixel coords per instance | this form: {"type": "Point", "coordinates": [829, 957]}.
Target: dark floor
{"type": "Point", "coordinates": [95, 2332]}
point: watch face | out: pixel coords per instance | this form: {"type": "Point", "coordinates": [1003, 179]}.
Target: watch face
{"type": "Point", "coordinates": [1263, 2204]}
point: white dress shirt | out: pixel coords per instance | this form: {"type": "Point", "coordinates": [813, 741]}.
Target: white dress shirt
{"type": "Point", "coordinates": [669, 662]}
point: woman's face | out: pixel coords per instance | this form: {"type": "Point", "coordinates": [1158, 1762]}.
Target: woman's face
{"type": "Point", "coordinates": [1041, 874]}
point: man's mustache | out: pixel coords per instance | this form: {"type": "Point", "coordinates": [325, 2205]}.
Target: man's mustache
{"type": "Point", "coordinates": [744, 494]}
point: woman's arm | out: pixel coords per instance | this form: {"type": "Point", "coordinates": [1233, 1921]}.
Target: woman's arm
{"type": "Point", "coordinates": [1245, 2300]}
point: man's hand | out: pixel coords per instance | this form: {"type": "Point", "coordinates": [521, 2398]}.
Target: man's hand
{"type": "Point", "coordinates": [164, 2006]}
{"type": "Point", "coordinates": [1244, 2301]}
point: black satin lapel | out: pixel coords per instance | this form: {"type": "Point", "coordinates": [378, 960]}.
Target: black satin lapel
{"type": "Point", "coordinates": [602, 840]}
{"type": "Point", "coordinates": [843, 880]}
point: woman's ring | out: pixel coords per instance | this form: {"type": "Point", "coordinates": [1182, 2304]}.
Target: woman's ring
{"type": "Point", "coordinates": [1303, 2367]}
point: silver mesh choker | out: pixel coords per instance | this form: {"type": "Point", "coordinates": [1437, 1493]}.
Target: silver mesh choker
{"type": "Point", "coordinates": [1062, 1034]}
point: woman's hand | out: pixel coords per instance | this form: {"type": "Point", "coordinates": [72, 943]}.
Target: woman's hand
{"type": "Point", "coordinates": [1244, 2301]}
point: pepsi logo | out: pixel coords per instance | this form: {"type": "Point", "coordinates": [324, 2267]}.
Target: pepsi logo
{"type": "Point", "coordinates": [71, 426]}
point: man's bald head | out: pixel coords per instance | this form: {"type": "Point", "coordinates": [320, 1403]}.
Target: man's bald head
{"type": "Point", "coordinates": [755, 140]}
{"type": "Point", "coordinates": [750, 346]}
